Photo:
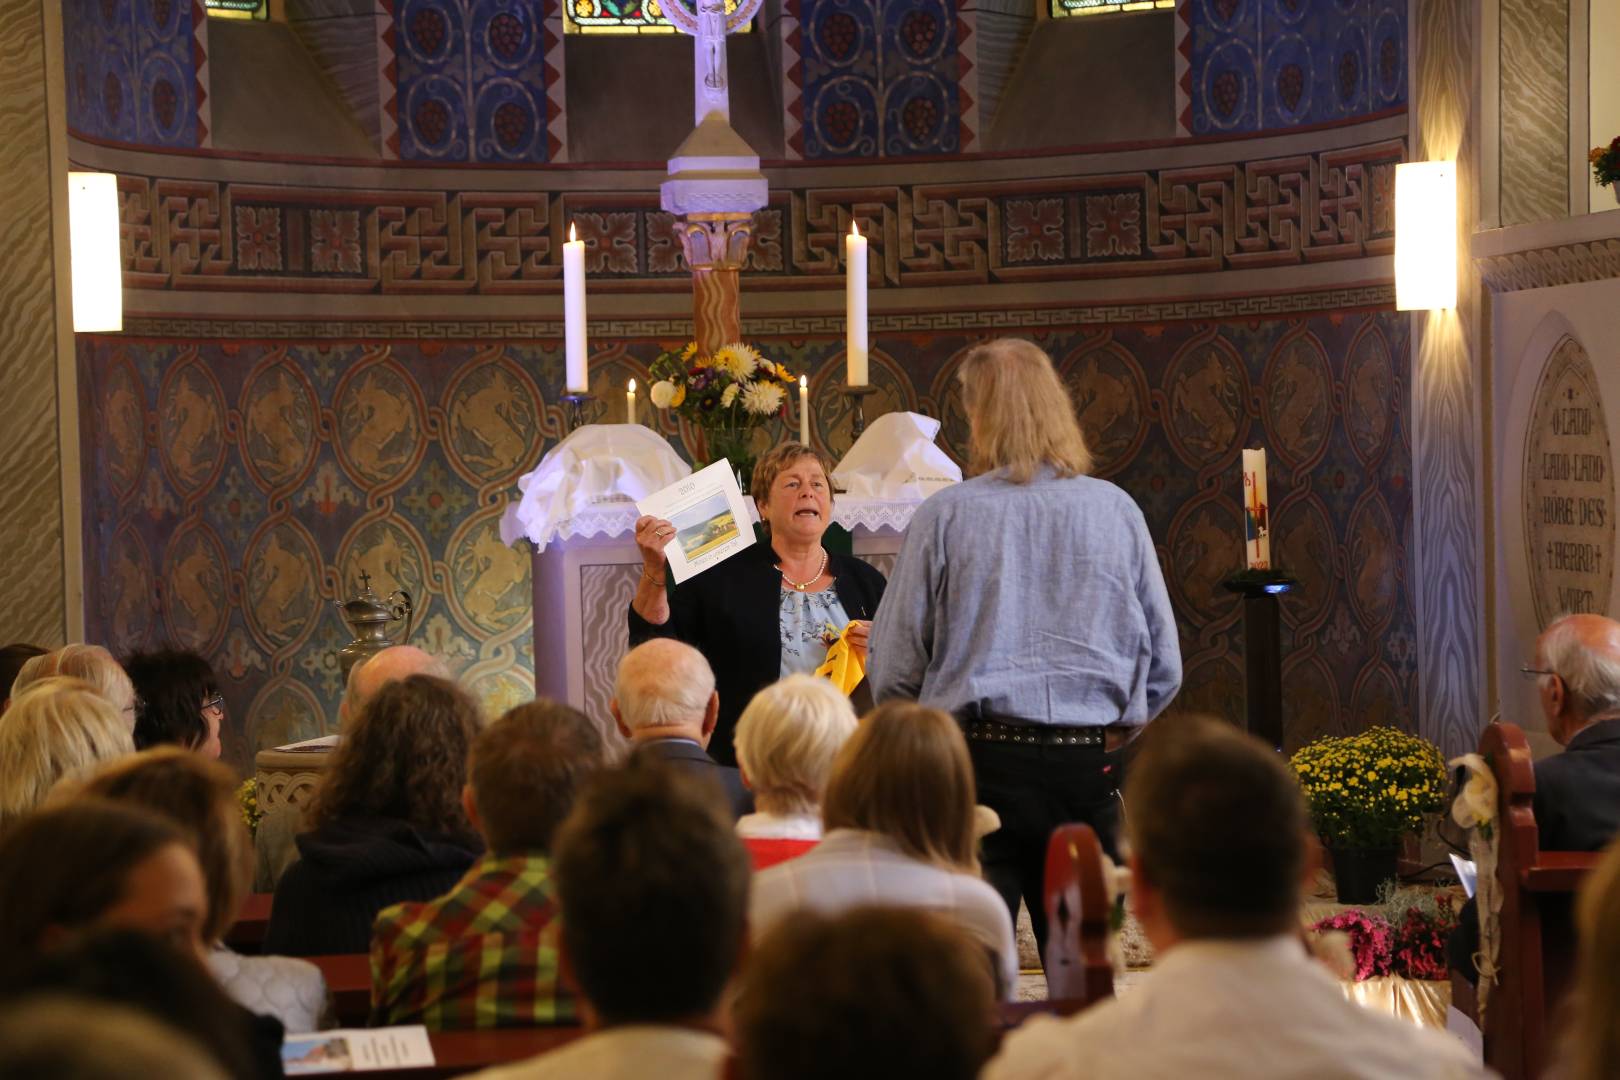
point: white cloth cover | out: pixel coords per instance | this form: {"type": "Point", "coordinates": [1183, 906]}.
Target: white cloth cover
{"type": "Point", "coordinates": [895, 460]}
{"type": "Point", "coordinates": [1475, 810]}
{"type": "Point", "coordinates": [291, 990]}
{"type": "Point", "coordinates": [584, 486]}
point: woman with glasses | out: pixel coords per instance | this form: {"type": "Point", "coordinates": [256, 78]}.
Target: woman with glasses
{"type": "Point", "coordinates": [179, 701]}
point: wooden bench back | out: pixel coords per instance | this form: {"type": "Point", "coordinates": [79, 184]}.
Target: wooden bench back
{"type": "Point", "coordinates": [1078, 971]}
{"type": "Point", "coordinates": [1536, 958]}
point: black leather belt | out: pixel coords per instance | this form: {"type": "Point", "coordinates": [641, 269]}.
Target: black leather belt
{"type": "Point", "coordinates": [1034, 735]}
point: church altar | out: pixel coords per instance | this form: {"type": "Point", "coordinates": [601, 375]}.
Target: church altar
{"type": "Point", "coordinates": [585, 575]}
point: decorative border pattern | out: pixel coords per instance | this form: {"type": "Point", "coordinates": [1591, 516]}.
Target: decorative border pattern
{"type": "Point", "coordinates": [1540, 268]}
{"type": "Point", "coordinates": [387, 81]}
{"type": "Point", "coordinates": [1356, 298]}
{"type": "Point", "coordinates": [1330, 205]}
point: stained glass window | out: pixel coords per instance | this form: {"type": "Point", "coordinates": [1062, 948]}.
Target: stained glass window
{"type": "Point", "coordinates": [237, 9]}
{"type": "Point", "coordinates": [1062, 9]}
{"type": "Point", "coordinates": [624, 16]}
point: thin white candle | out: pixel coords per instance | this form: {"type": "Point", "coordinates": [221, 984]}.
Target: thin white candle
{"type": "Point", "coordinates": [574, 311]}
{"type": "Point", "coordinates": [855, 305]}
{"type": "Point", "coordinates": [630, 403]}
{"type": "Point", "coordinates": [804, 409]}
{"type": "Point", "coordinates": [1256, 511]}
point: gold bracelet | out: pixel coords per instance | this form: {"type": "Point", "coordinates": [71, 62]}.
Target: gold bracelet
{"type": "Point", "coordinates": [655, 580]}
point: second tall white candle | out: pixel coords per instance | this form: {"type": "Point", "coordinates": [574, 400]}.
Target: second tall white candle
{"type": "Point", "coordinates": [574, 312]}
{"type": "Point", "coordinates": [855, 306]}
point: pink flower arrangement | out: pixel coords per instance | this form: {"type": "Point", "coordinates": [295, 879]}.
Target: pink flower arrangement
{"type": "Point", "coordinates": [1403, 939]}
{"type": "Point", "coordinates": [1371, 940]}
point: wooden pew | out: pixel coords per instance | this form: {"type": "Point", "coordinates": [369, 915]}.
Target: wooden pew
{"type": "Point", "coordinates": [348, 979]}
{"type": "Point", "coordinates": [246, 934]}
{"type": "Point", "coordinates": [1536, 959]}
{"type": "Point", "coordinates": [1078, 971]}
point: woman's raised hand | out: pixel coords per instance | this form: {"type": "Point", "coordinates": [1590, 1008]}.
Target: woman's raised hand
{"type": "Point", "coordinates": [652, 533]}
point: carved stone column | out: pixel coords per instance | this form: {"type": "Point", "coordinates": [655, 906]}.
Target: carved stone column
{"type": "Point", "coordinates": [716, 247]}
{"type": "Point", "coordinates": [714, 187]}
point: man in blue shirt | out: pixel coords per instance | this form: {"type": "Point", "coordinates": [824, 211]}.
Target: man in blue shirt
{"type": "Point", "coordinates": [1028, 602]}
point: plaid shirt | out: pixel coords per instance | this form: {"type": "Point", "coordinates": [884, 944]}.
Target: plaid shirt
{"type": "Point", "coordinates": [483, 955]}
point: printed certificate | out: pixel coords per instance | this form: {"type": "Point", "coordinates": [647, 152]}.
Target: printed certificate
{"type": "Point", "coordinates": [711, 520]}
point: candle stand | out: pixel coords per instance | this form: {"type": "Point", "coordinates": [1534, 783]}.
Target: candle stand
{"type": "Point", "coordinates": [577, 404]}
{"type": "Point", "coordinates": [1262, 649]}
{"type": "Point", "coordinates": [857, 399]}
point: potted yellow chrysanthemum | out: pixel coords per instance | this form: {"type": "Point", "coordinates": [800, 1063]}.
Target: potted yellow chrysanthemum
{"type": "Point", "coordinates": [1366, 792]}
{"type": "Point", "coordinates": [727, 394]}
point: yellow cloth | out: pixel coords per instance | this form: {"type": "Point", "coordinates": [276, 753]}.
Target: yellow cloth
{"type": "Point", "coordinates": [843, 664]}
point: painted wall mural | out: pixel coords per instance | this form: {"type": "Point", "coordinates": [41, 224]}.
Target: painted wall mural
{"type": "Point", "coordinates": [1260, 65]}
{"type": "Point", "coordinates": [471, 80]}
{"type": "Point", "coordinates": [136, 71]}
{"type": "Point", "coordinates": [879, 78]}
{"type": "Point", "coordinates": [235, 488]}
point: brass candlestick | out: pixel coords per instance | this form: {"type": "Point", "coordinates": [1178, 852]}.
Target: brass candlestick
{"type": "Point", "coordinates": [857, 399]}
{"type": "Point", "coordinates": [576, 408]}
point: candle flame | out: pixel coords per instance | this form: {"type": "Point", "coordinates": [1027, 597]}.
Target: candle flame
{"type": "Point", "coordinates": [632, 386]}
{"type": "Point", "coordinates": [854, 229]}
{"type": "Point", "coordinates": [571, 236]}
{"type": "Point", "coordinates": [804, 382]}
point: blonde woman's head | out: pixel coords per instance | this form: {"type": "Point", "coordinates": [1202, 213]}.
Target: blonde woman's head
{"type": "Point", "coordinates": [906, 773]}
{"type": "Point", "coordinates": [787, 739]}
{"type": "Point", "coordinates": [55, 728]}
{"type": "Point", "coordinates": [1594, 1040]}
{"type": "Point", "coordinates": [1020, 418]}
{"type": "Point", "coordinates": [91, 663]}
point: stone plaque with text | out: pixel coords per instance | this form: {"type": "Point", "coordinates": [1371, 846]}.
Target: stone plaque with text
{"type": "Point", "coordinates": [1568, 489]}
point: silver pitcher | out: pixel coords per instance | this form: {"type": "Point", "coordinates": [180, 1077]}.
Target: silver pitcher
{"type": "Point", "coordinates": [369, 616]}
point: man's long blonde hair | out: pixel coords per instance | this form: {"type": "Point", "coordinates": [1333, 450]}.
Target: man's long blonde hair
{"type": "Point", "coordinates": [1020, 417]}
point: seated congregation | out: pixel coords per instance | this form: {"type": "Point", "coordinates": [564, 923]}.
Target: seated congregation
{"type": "Point", "coordinates": [818, 910]}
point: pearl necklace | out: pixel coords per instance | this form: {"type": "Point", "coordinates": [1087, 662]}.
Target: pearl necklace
{"type": "Point", "coordinates": [803, 585]}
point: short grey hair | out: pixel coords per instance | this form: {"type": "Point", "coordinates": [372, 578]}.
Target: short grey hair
{"type": "Point", "coordinates": [1592, 677]}
{"type": "Point", "coordinates": [787, 738]}
{"type": "Point", "coordinates": [663, 683]}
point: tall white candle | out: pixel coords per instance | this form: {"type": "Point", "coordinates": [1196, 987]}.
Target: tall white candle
{"type": "Point", "coordinates": [1256, 511]}
{"type": "Point", "coordinates": [630, 403]}
{"type": "Point", "coordinates": [855, 305]}
{"type": "Point", "coordinates": [574, 311]}
{"type": "Point", "coordinates": [804, 409]}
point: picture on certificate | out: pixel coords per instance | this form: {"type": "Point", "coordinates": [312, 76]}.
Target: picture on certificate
{"type": "Point", "coordinates": [711, 520]}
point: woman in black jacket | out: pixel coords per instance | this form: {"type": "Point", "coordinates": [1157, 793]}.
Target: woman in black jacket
{"type": "Point", "coordinates": [387, 824]}
{"type": "Point", "coordinates": [771, 610]}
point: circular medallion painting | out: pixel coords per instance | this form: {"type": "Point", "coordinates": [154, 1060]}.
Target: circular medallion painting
{"type": "Point", "coordinates": [1206, 545]}
{"type": "Point", "coordinates": [283, 594]}
{"type": "Point", "coordinates": [1206, 388]}
{"type": "Point", "coordinates": [1369, 391]}
{"type": "Point", "coordinates": [494, 423]}
{"type": "Point", "coordinates": [191, 425]}
{"type": "Point", "coordinates": [279, 412]}
{"type": "Point", "coordinates": [1109, 397]}
{"type": "Point", "coordinates": [490, 579]}
{"type": "Point", "coordinates": [379, 425]}
{"type": "Point", "coordinates": [1373, 559]}
{"type": "Point", "coordinates": [1298, 400]}
{"type": "Point", "coordinates": [195, 595]}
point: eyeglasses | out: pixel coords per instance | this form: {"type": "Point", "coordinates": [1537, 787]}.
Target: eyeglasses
{"type": "Point", "coordinates": [215, 702]}
{"type": "Point", "coordinates": [1535, 673]}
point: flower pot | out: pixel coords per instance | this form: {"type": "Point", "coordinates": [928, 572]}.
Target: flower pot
{"type": "Point", "coordinates": [1357, 872]}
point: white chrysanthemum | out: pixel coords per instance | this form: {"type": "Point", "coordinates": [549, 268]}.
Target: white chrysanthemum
{"type": "Point", "coordinates": [730, 395]}
{"type": "Point", "coordinates": [662, 393]}
{"type": "Point", "coordinates": [762, 398]}
{"type": "Point", "coordinates": [736, 359]}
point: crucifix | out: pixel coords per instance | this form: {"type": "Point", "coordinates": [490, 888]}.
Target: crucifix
{"type": "Point", "coordinates": [709, 24]}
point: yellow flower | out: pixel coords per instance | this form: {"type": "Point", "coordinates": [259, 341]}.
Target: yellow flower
{"type": "Point", "coordinates": [680, 395]}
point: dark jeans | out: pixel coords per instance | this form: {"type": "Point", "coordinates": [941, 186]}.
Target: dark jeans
{"type": "Point", "coordinates": [1035, 789]}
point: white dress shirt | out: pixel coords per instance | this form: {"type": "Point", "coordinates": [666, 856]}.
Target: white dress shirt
{"type": "Point", "coordinates": [762, 826]}
{"type": "Point", "coordinates": [1259, 1010]}
{"type": "Point", "coordinates": [632, 1052]}
{"type": "Point", "coordinates": [853, 868]}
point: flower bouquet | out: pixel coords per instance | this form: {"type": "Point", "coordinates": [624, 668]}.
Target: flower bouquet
{"type": "Point", "coordinates": [1606, 164]}
{"type": "Point", "coordinates": [1366, 792]}
{"type": "Point", "coordinates": [727, 394]}
{"type": "Point", "coordinates": [247, 799]}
